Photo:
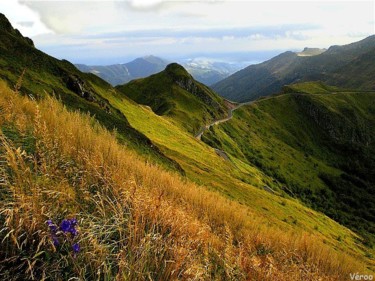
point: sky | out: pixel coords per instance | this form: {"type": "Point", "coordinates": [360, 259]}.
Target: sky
{"type": "Point", "coordinates": [105, 32]}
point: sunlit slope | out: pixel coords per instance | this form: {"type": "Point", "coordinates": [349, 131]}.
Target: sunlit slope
{"type": "Point", "coordinates": [175, 94]}
{"type": "Point", "coordinates": [237, 179]}
{"type": "Point", "coordinates": [318, 143]}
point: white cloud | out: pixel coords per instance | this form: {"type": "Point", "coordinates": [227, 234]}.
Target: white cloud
{"type": "Point", "coordinates": [110, 28]}
{"type": "Point", "coordinates": [145, 3]}
{"type": "Point", "coordinates": [23, 18]}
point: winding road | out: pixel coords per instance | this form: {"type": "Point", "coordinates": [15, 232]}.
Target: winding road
{"type": "Point", "coordinates": [236, 106]}
{"type": "Point", "coordinates": [216, 122]}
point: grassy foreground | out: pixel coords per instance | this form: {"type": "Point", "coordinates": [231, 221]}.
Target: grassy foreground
{"type": "Point", "coordinates": [135, 221]}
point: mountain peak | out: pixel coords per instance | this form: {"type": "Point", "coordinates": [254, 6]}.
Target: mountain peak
{"type": "Point", "coordinates": [176, 70]}
{"type": "Point", "coordinates": [152, 58]}
{"type": "Point", "coordinates": [6, 27]}
{"type": "Point", "coordinates": [4, 23]}
{"type": "Point", "coordinates": [309, 52]}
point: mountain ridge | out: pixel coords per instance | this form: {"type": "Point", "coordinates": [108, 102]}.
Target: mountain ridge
{"type": "Point", "coordinates": [330, 66]}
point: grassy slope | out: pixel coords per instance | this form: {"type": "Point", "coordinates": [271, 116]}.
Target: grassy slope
{"type": "Point", "coordinates": [135, 220]}
{"type": "Point", "coordinates": [317, 143]}
{"type": "Point", "coordinates": [237, 179]}
{"type": "Point", "coordinates": [45, 75]}
{"type": "Point", "coordinates": [175, 94]}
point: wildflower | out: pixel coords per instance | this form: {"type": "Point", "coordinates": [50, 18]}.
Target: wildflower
{"type": "Point", "coordinates": [55, 241]}
{"type": "Point", "coordinates": [52, 226]}
{"type": "Point", "coordinates": [65, 225]}
{"type": "Point", "coordinates": [73, 231]}
{"type": "Point", "coordinates": [76, 248]}
{"type": "Point", "coordinates": [69, 226]}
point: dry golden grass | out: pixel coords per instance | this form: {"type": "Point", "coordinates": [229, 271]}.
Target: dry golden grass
{"type": "Point", "coordinates": [136, 221]}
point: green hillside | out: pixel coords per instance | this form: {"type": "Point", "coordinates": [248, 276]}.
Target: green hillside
{"type": "Point", "coordinates": [318, 142]}
{"type": "Point", "coordinates": [175, 94]}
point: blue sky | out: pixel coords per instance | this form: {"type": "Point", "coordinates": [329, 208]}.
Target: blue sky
{"type": "Point", "coordinates": [116, 31]}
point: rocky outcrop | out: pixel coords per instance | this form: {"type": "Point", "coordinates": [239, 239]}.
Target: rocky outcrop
{"type": "Point", "coordinates": [77, 85]}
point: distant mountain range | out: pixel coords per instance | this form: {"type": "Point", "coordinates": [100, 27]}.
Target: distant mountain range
{"type": "Point", "coordinates": [205, 71]}
{"type": "Point", "coordinates": [117, 74]}
{"type": "Point", "coordinates": [347, 66]}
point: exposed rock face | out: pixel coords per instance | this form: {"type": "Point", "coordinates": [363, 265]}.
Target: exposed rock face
{"type": "Point", "coordinates": [77, 85]}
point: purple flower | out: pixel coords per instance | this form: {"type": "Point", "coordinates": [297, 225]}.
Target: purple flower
{"type": "Point", "coordinates": [55, 241]}
{"type": "Point", "coordinates": [76, 248]}
{"type": "Point", "coordinates": [52, 226]}
{"type": "Point", "coordinates": [73, 231]}
{"type": "Point", "coordinates": [73, 222]}
{"type": "Point", "coordinates": [65, 225]}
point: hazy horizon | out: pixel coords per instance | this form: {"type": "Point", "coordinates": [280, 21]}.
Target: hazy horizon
{"type": "Point", "coordinates": [109, 32]}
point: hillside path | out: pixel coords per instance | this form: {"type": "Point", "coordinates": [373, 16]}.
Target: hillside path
{"type": "Point", "coordinates": [216, 122]}
{"type": "Point", "coordinates": [234, 106]}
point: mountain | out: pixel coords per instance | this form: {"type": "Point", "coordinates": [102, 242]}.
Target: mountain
{"type": "Point", "coordinates": [318, 141]}
{"type": "Point", "coordinates": [174, 93]}
{"type": "Point", "coordinates": [117, 74]}
{"type": "Point", "coordinates": [334, 66]}
{"type": "Point", "coordinates": [308, 52]}
{"type": "Point", "coordinates": [97, 186]}
{"type": "Point", "coordinates": [205, 71]}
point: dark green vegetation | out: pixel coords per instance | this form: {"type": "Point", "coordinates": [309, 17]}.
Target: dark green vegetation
{"type": "Point", "coordinates": [349, 66]}
{"type": "Point", "coordinates": [36, 74]}
{"type": "Point", "coordinates": [318, 142]}
{"type": "Point", "coordinates": [174, 93]}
